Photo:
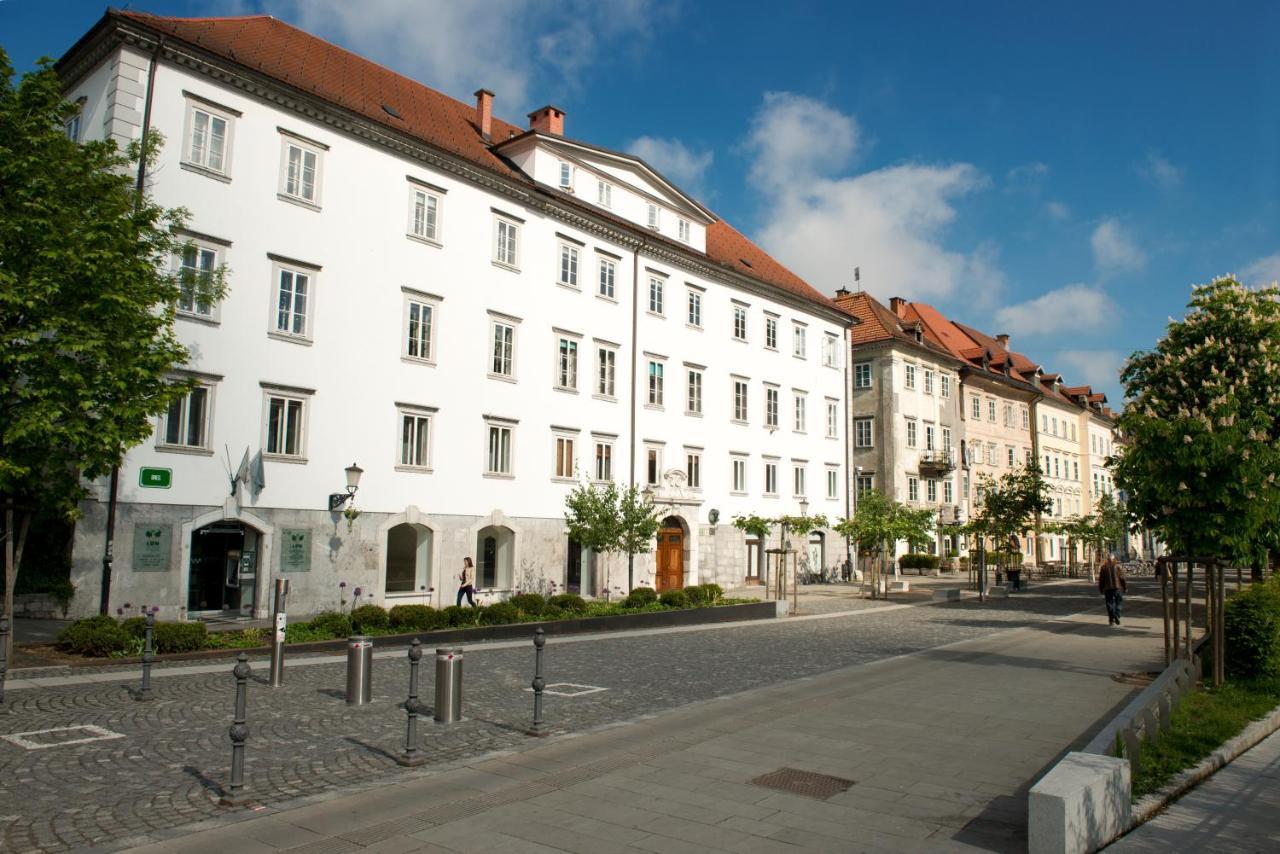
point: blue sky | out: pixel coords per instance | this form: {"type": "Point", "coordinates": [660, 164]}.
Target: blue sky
{"type": "Point", "coordinates": [1061, 172]}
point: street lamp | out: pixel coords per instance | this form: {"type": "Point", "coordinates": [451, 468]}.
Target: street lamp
{"type": "Point", "coordinates": [337, 499]}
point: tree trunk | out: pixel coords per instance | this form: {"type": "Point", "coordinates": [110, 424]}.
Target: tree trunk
{"type": "Point", "coordinates": [13, 546]}
{"type": "Point", "coordinates": [1255, 566]}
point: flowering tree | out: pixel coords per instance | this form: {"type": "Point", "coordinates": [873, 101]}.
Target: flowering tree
{"type": "Point", "coordinates": [1202, 426]}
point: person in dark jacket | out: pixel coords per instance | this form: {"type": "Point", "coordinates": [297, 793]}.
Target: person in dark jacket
{"type": "Point", "coordinates": [1112, 586]}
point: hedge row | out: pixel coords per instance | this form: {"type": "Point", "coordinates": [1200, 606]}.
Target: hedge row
{"type": "Point", "coordinates": [1253, 631]}
{"type": "Point", "coordinates": [919, 561]}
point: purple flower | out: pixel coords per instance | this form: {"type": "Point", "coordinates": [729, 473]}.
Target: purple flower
{"type": "Point", "coordinates": [342, 584]}
{"type": "Point", "coordinates": [356, 592]}
{"type": "Point", "coordinates": [127, 605]}
{"type": "Point", "coordinates": [119, 612]}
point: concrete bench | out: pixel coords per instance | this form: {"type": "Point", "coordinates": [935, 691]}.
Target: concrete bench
{"type": "Point", "coordinates": [998, 591]}
{"type": "Point", "coordinates": [902, 586]}
{"type": "Point", "coordinates": [949, 595]}
{"type": "Point", "coordinates": [1079, 806]}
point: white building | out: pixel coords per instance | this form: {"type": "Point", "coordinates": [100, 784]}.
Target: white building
{"type": "Point", "coordinates": [476, 313]}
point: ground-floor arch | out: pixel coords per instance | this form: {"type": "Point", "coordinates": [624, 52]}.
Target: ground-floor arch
{"type": "Point", "coordinates": [672, 547]}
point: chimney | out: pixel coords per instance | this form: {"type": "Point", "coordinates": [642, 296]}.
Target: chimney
{"type": "Point", "coordinates": [1003, 338]}
{"type": "Point", "coordinates": [484, 113]}
{"type": "Point", "coordinates": [898, 306]}
{"type": "Point", "coordinates": [841, 293]}
{"type": "Point", "coordinates": [549, 120]}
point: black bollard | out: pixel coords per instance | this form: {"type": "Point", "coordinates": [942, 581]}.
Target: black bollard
{"type": "Point", "coordinates": [412, 756]}
{"type": "Point", "coordinates": [239, 732]}
{"type": "Point", "coordinates": [148, 656]}
{"type": "Point", "coordinates": [4, 659]}
{"type": "Point", "coordinates": [539, 641]}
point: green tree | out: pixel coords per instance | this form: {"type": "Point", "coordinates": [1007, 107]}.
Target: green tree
{"type": "Point", "coordinates": [1010, 504]}
{"type": "Point", "coordinates": [87, 346]}
{"type": "Point", "coordinates": [608, 519]}
{"type": "Point", "coordinates": [876, 526]}
{"type": "Point", "coordinates": [1202, 427]}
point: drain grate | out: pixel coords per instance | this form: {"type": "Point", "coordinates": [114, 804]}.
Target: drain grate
{"type": "Point", "coordinates": [807, 783]}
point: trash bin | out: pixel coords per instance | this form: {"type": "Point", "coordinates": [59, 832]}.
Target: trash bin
{"type": "Point", "coordinates": [359, 670]}
{"type": "Point", "coordinates": [448, 686]}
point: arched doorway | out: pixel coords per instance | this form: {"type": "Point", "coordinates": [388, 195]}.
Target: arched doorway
{"type": "Point", "coordinates": [494, 552]}
{"type": "Point", "coordinates": [671, 539]}
{"type": "Point", "coordinates": [223, 573]}
{"type": "Point", "coordinates": [408, 566]}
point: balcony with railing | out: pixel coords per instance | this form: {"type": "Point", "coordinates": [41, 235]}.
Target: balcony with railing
{"type": "Point", "coordinates": [936, 463]}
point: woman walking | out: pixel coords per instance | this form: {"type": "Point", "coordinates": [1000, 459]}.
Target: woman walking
{"type": "Point", "coordinates": [466, 583]}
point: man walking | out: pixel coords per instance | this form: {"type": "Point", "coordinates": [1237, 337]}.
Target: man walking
{"type": "Point", "coordinates": [1112, 585]}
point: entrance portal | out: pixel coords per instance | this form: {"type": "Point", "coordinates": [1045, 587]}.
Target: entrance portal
{"type": "Point", "coordinates": [670, 575]}
{"type": "Point", "coordinates": [224, 570]}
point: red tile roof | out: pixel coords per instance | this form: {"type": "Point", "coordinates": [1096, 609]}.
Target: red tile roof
{"type": "Point", "coordinates": [291, 56]}
{"type": "Point", "coordinates": [879, 323]}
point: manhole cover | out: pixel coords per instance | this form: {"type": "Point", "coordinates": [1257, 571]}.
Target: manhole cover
{"type": "Point", "coordinates": [568, 689]}
{"type": "Point", "coordinates": [63, 736]}
{"type": "Point", "coordinates": [807, 783]}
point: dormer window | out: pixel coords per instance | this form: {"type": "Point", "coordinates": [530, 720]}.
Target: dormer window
{"type": "Point", "coordinates": [684, 230]}
{"type": "Point", "coordinates": [566, 177]}
{"type": "Point", "coordinates": [653, 217]}
{"type": "Point", "coordinates": [604, 194]}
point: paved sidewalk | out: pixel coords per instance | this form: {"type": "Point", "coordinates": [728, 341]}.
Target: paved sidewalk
{"type": "Point", "coordinates": [1237, 810]}
{"type": "Point", "coordinates": [941, 746]}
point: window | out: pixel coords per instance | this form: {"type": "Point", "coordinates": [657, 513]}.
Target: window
{"type": "Point", "coordinates": [830, 352]}
{"type": "Point", "coordinates": [770, 478]}
{"type": "Point", "coordinates": [604, 194]}
{"type": "Point", "coordinates": [419, 328]}
{"type": "Point", "coordinates": [503, 337]}
{"type": "Point", "coordinates": [1046, 465]}
{"type": "Point", "coordinates": [740, 400]}
{"type": "Point", "coordinates": [693, 469]}
{"type": "Point", "coordinates": [606, 369]}
{"type": "Point", "coordinates": [566, 176]}
{"type": "Point", "coordinates": [285, 423]}
{"type": "Point", "coordinates": [693, 396]}
{"type": "Point", "coordinates": [608, 274]}
{"type": "Point", "coordinates": [946, 439]}
{"type": "Point", "coordinates": [196, 267]}
{"type": "Point", "coordinates": [928, 381]}
{"type": "Point", "coordinates": [293, 302]}
{"type": "Point", "coordinates": [991, 454]}
{"type": "Point", "coordinates": [1012, 455]}
{"type": "Point", "coordinates": [72, 128]}
{"type": "Point", "coordinates": [798, 341]}
{"type": "Point", "coordinates": [498, 458]}
{"type": "Point", "coordinates": [208, 136]}
{"type": "Point", "coordinates": [1026, 418]}
{"type": "Point", "coordinates": [947, 492]}
{"type": "Point", "coordinates": [913, 488]}
{"type": "Point", "coordinates": [1053, 425]}
{"type": "Point", "coordinates": [945, 385]}
{"type": "Point", "coordinates": [415, 439]}
{"type": "Point", "coordinates": [833, 419]}
{"type": "Point", "coordinates": [1075, 468]}
{"type": "Point", "coordinates": [739, 474]}
{"type": "Point", "coordinates": [186, 422]}
{"type": "Point", "coordinates": [739, 323]}
{"type": "Point", "coordinates": [991, 410]}
{"type": "Point", "coordinates": [910, 376]}
{"type": "Point", "coordinates": [568, 265]}
{"type": "Point", "coordinates": [1044, 423]}
{"type": "Point", "coordinates": [566, 363]}
{"type": "Point", "coordinates": [771, 333]}
{"type": "Point", "coordinates": [1008, 415]}
{"type": "Point", "coordinates": [975, 406]}
{"type": "Point", "coordinates": [911, 432]}
{"type": "Point", "coordinates": [797, 481]}
{"type": "Point", "coordinates": [683, 230]}
{"type": "Point", "coordinates": [833, 483]}
{"type": "Point", "coordinates": [424, 214]}
{"type": "Point", "coordinates": [801, 403]}
{"type": "Point", "coordinates": [770, 407]}
{"type": "Point", "coordinates": [408, 565]}
{"type": "Point", "coordinates": [695, 309]}
{"type": "Point", "coordinates": [862, 433]}
{"type": "Point", "coordinates": [604, 460]}
{"type": "Point", "coordinates": [1073, 432]}
{"type": "Point", "coordinates": [929, 435]}
{"type": "Point", "coordinates": [653, 464]}
{"type": "Point", "coordinates": [655, 383]}
{"type": "Point", "coordinates": [653, 217]}
{"type": "Point", "coordinates": [931, 490]}
{"type": "Point", "coordinates": [301, 171]}
{"type": "Point", "coordinates": [655, 295]}
{"type": "Point", "coordinates": [862, 375]}
{"type": "Point", "coordinates": [565, 461]}
{"type": "Point", "coordinates": [1028, 456]}
{"type": "Point", "coordinates": [506, 243]}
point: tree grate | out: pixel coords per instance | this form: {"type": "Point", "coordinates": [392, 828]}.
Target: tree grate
{"type": "Point", "coordinates": [808, 783]}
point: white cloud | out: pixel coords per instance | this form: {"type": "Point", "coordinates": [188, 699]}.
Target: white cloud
{"type": "Point", "coordinates": [1057, 211]}
{"type": "Point", "coordinates": [1097, 368]}
{"type": "Point", "coordinates": [1114, 250]}
{"type": "Point", "coordinates": [1089, 309]}
{"type": "Point", "coordinates": [1264, 271]}
{"type": "Point", "coordinates": [1160, 171]}
{"type": "Point", "coordinates": [1026, 178]}
{"type": "Point", "coordinates": [679, 163]}
{"type": "Point", "coordinates": [890, 221]}
{"type": "Point", "coordinates": [520, 49]}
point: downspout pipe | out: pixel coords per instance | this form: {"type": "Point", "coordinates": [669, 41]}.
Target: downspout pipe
{"type": "Point", "coordinates": [635, 324]}
{"type": "Point", "coordinates": [108, 548]}
{"type": "Point", "coordinates": [848, 450]}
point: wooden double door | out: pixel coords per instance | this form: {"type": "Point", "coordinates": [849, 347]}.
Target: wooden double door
{"type": "Point", "coordinates": [670, 575]}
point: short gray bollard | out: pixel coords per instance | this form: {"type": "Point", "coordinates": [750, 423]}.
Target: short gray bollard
{"type": "Point", "coordinates": [448, 685]}
{"type": "Point", "coordinates": [279, 622]}
{"type": "Point", "coordinates": [148, 656]}
{"type": "Point", "coordinates": [359, 670]}
{"type": "Point", "coordinates": [4, 659]}
{"type": "Point", "coordinates": [539, 726]}
{"type": "Point", "coordinates": [412, 756]}
{"type": "Point", "coordinates": [239, 732]}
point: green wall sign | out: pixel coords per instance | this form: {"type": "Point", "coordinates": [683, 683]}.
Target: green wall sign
{"type": "Point", "coordinates": [295, 550]}
{"type": "Point", "coordinates": [151, 544]}
{"type": "Point", "coordinates": [155, 478]}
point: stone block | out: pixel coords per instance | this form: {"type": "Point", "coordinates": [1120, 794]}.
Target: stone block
{"type": "Point", "coordinates": [998, 591]}
{"type": "Point", "coordinates": [902, 586]}
{"type": "Point", "coordinates": [949, 595]}
{"type": "Point", "coordinates": [1132, 748]}
{"type": "Point", "coordinates": [1150, 724]}
{"type": "Point", "coordinates": [1165, 710]}
{"type": "Point", "coordinates": [1080, 805]}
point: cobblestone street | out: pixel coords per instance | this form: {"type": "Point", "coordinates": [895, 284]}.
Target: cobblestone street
{"type": "Point", "coordinates": [161, 764]}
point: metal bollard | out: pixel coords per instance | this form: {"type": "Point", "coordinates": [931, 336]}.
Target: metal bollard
{"type": "Point", "coordinates": [277, 642]}
{"type": "Point", "coordinates": [239, 732]}
{"type": "Point", "coordinates": [539, 641]}
{"type": "Point", "coordinates": [412, 707]}
{"type": "Point", "coordinates": [148, 656]}
{"type": "Point", "coordinates": [448, 686]}
{"type": "Point", "coordinates": [359, 670]}
{"type": "Point", "coordinates": [4, 659]}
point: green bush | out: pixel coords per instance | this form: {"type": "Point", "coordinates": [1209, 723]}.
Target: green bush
{"type": "Point", "coordinates": [414, 618]}
{"type": "Point", "coordinates": [330, 624]}
{"type": "Point", "coordinates": [555, 612]}
{"type": "Point", "coordinates": [456, 616]}
{"type": "Point", "coordinates": [135, 627]}
{"type": "Point", "coordinates": [499, 614]}
{"type": "Point", "coordinates": [1253, 632]}
{"type": "Point", "coordinates": [704, 595]}
{"type": "Point", "coordinates": [304, 633]}
{"type": "Point", "coordinates": [529, 604]}
{"type": "Point", "coordinates": [98, 637]}
{"type": "Point", "coordinates": [180, 637]}
{"type": "Point", "coordinates": [370, 618]}
{"type": "Point", "coordinates": [640, 597]}
{"type": "Point", "coordinates": [675, 599]}
{"type": "Point", "coordinates": [916, 560]}
{"type": "Point", "coordinates": [570, 602]}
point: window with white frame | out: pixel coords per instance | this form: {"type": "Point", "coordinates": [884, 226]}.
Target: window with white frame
{"type": "Point", "coordinates": [209, 131]}
{"type": "Point", "coordinates": [991, 454]}
{"type": "Point", "coordinates": [739, 468]}
{"type": "Point", "coordinates": [72, 127]}
{"type": "Point", "coordinates": [830, 351]}
{"type": "Point", "coordinates": [608, 276]}
{"type": "Point", "coordinates": [991, 410]}
{"type": "Point", "coordinates": [913, 488]}
{"type": "Point", "coordinates": [910, 373]}
{"type": "Point", "coordinates": [946, 439]}
{"type": "Point", "coordinates": [740, 400]}
{"type": "Point", "coordinates": [929, 437]}
{"type": "Point", "coordinates": [506, 242]}
{"type": "Point", "coordinates": [604, 460]}
{"type": "Point", "coordinates": [928, 381]}
{"type": "Point", "coordinates": [655, 295]}
{"type": "Point", "coordinates": [683, 230]}
{"type": "Point", "coordinates": [197, 264]}
{"type": "Point", "coordinates": [566, 176]}
{"type": "Point", "coordinates": [566, 362]}
{"type": "Point", "coordinates": [770, 478]}
{"type": "Point", "coordinates": [693, 468]}
{"type": "Point", "coordinates": [604, 194]}
{"type": "Point", "coordinates": [739, 323]}
{"type": "Point", "coordinates": [911, 432]}
{"type": "Point", "coordinates": [798, 480]}
{"type": "Point", "coordinates": [944, 385]}
{"type": "Point", "coordinates": [693, 391]}
{"type": "Point", "coordinates": [862, 433]}
{"type": "Point", "coordinates": [864, 484]}
{"type": "Point", "coordinates": [801, 412]}
{"type": "Point", "coordinates": [1044, 423]}
{"type": "Point", "coordinates": [975, 407]}
{"type": "Point", "coordinates": [1026, 418]}
{"type": "Point", "coordinates": [502, 350]}
{"type": "Point", "coordinates": [185, 424]}
{"type": "Point", "coordinates": [654, 222]}
{"type": "Point", "coordinates": [419, 328]}
{"type": "Point", "coordinates": [295, 298]}
{"type": "Point", "coordinates": [770, 406]}
{"type": "Point", "coordinates": [833, 419]}
{"type": "Point", "coordinates": [415, 438]}
{"type": "Point", "coordinates": [833, 483]}
{"type": "Point", "coordinates": [862, 375]}
{"type": "Point", "coordinates": [798, 343]}
{"type": "Point", "coordinates": [286, 425]}
{"type": "Point", "coordinates": [606, 370]}
{"type": "Point", "coordinates": [1053, 425]}
{"type": "Point", "coordinates": [424, 214]}
{"type": "Point", "coordinates": [931, 490]}
{"type": "Point", "coordinates": [1075, 468]}
{"type": "Point", "coordinates": [498, 453]}
{"type": "Point", "coordinates": [565, 461]}
{"type": "Point", "coordinates": [652, 464]}
{"type": "Point", "coordinates": [771, 333]}
{"type": "Point", "coordinates": [695, 308]}
{"type": "Point", "coordinates": [655, 382]}
{"type": "Point", "coordinates": [568, 265]}
{"type": "Point", "coordinates": [1011, 455]}
{"type": "Point", "coordinates": [300, 170]}
{"type": "Point", "coordinates": [947, 492]}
